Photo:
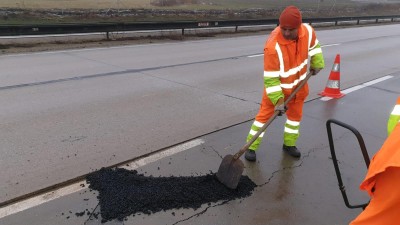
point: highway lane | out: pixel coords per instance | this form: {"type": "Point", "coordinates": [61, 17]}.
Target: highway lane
{"type": "Point", "coordinates": [68, 113]}
{"type": "Point", "coordinates": [289, 191]}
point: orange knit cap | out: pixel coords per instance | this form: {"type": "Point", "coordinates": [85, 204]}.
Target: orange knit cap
{"type": "Point", "coordinates": [290, 17]}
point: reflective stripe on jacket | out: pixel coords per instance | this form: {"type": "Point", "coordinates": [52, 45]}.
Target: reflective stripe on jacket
{"type": "Point", "coordinates": [285, 62]}
{"type": "Point", "coordinates": [394, 117]}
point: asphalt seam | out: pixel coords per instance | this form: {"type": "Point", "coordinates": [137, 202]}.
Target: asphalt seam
{"type": "Point", "coordinates": [115, 73]}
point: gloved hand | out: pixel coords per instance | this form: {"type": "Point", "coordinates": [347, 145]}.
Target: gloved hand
{"type": "Point", "coordinates": [280, 107]}
{"type": "Point", "coordinates": [314, 71]}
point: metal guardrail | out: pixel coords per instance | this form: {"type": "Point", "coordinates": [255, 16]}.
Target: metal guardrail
{"type": "Point", "coordinates": [61, 28]}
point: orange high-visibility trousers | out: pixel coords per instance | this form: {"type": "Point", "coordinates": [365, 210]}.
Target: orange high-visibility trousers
{"type": "Point", "coordinates": [267, 109]}
{"type": "Point", "coordinates": [292, 125]}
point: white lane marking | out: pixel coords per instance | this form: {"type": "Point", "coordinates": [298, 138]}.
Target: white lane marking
{"type": "Point", "coordinates": [322, 46]}
{"type": "Point", "coordinates": [251, 56]}
{"type": "Point", "coordinates": [152, 158]}
{"type": "Point", "coordinates": [329, 45]}
{"type": "Point", "coordinates": [38, 200]}
{"type": "Point", "coordinates": [81, 185]}
{"type": "Point", "coordinates": [377, 80]}
{"type": "Point", "coordinates": [358, 87]}
{"type": "Point", "coordinates": [355, 88]}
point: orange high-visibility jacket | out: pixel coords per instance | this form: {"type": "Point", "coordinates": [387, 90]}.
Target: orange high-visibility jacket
{"type": "Point", "coordinates": [382, 183]}
{"type": "Point", "coordinates": [285, 62]}
{"type": "Point", "coordinates": [285, 65]}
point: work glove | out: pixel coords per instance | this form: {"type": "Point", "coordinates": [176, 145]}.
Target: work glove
{"type": "Point", "coordinates": [314, 71]}
{"type": "Point", "coordinates": [280, 107]}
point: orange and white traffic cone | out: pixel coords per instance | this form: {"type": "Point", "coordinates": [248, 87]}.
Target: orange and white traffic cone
{"type": "Point", "coordinates": [332, 88]}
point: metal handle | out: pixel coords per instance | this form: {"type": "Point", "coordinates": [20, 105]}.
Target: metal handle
{"type": "Point", "coordinates": [335, 162]}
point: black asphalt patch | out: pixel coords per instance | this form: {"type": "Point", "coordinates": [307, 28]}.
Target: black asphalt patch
{"type": "Point", "coordinates": [123, 192]}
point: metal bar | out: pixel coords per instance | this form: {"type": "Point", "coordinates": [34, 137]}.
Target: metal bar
{"type": "Point", "coordinates": [335, 162]}
{"type": "Point", "coordinates": [61, 28]}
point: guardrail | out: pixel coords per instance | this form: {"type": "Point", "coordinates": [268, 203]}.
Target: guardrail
{"type": "Point", "coordinates": [16, 30]}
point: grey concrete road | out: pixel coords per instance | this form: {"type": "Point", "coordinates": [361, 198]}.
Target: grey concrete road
{"type": "Point", "coordinates": [289, 191]}
{"type": "Point", "coordinates": [69, 113]}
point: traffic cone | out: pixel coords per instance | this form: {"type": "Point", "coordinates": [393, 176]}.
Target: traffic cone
{"type": "Point", "coordinates": [332, 88]}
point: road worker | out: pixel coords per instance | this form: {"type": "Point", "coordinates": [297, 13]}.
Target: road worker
{"type": "Point", "coordinates": [382, 181]}
{"type": "Point", "coordinates": [286, 61]}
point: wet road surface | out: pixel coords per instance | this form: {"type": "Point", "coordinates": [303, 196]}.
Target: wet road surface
{"type": "Point", "coordinates": [68, 113]}
{"type": "Point", "coordinates": [288, 191]}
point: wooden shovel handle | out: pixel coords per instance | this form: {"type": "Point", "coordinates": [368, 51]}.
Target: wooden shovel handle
{"type": "Point", "coordinates": [264, 127]}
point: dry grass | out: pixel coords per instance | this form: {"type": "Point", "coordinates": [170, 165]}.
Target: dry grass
{"type": "Point", "coordinates": [198, 4]}
{"type": "Point", "coordinates": [71, 4]}
{"type": "Point", "coordinates": [202, 4]}
{"type": "Point", "coordinates": [92, 11]}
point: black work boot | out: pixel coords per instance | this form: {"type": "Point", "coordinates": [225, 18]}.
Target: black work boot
{"type": "Point", "coordinates": [250, 155]}
{"type": "Point", "coordinates": [291, 150]}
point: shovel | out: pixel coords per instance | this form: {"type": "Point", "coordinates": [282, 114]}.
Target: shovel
{"type": "Point", "coordinates": [232, 167]}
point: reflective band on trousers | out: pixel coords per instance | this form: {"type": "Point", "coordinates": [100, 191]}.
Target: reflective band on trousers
{"type": "Point", "coordinates": [291, 131]}
{"type": "Point", "coordinates": [253, 132]}
{"type": "Point", "coordinates": [258, 124]}
{"type": "Point", "coordinates": [293, 123]}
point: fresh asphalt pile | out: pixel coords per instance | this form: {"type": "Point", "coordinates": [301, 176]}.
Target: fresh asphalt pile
{"type": "Point", "coordinates": [123, 192]}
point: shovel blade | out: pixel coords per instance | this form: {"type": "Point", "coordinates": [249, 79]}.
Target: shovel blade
{"type": "Point", "coordinates": [230, 171]}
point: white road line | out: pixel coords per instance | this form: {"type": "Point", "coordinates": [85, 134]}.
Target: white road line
{"type": "Point", "coordinates": [79, 186]}
{"type": "Point", "coordinates": [329, 45]}
{"type": "Point", "coordinates": [166, 153]}
{"type": "Point", "coordinates": [322, 46]}
{"type": "Point", "coordinates": [251, 56]}
{"type": "Point", "coordinates": [358, 87]}
{"type": "Point", "coordinates": [369, 83]}
{"type": "Point", "coordinates": [355, 88]}
{"type": "Point", "coordinates": [38, 200]}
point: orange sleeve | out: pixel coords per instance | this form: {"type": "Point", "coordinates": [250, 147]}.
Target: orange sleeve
{"type": "Point", "coordinates": [387, 156]}
{"type": "Point", "coordinates": [384, 207]}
